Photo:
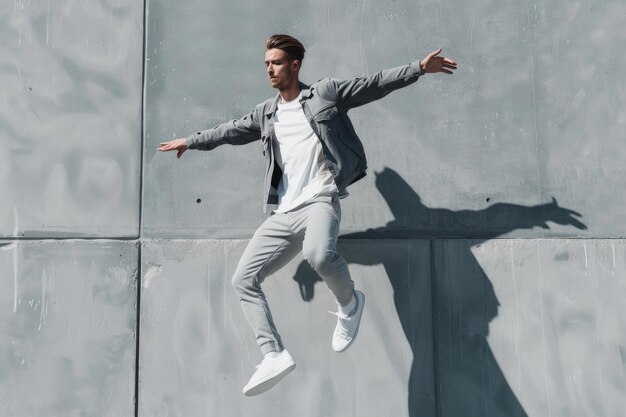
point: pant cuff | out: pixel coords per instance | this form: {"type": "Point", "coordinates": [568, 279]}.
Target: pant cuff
{"type": "Point", "coordinates": [267, 348]}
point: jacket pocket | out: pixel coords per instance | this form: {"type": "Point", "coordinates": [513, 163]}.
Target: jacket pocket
{"type": "Point", "coordinates": [326, 114]}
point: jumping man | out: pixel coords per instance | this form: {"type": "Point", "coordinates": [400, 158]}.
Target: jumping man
{"type": "Point", "coordinates": [313, 154]}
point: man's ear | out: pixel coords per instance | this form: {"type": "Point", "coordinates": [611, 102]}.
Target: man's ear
{"type": "Point", "coordinates": [296, 64]}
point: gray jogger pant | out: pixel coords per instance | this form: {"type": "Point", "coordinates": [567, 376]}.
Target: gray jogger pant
{"type": "Point", "coordinates": [312, 228]}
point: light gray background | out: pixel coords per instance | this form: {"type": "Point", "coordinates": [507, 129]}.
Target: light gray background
{"type": "Point", "coordinates": [535, 111]}
{"type": "Point", "coordinates": [194, 335]}
{"type": "Point", "coordinates": [70, 118]}
{"type": "Point", "coordinates": [483, 296]}
{"type": "Point", "coordinates": [68, 328]}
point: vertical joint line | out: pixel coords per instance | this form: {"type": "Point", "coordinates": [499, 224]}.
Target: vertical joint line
{"type": "Point", "coordinates": [141, 174]}
{"type": "Point", "coordinates": [138, 281]}
{"type": "Point", "coordinates": [433, 302]}
{"type": "Point", "coordinates": [142, 116]}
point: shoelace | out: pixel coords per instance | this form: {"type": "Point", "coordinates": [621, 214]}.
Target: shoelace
{"type": "Point", "coordinates": [343, 320]}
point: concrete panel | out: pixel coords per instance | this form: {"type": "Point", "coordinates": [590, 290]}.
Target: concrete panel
{"type": "Point", "coordinates": [581, 110]}
{"type": "Point", "coordinates": [219, 75]}
{"type": "Point", "coordinates": [67, 328]}
{"type": "Point", "coordinates": [197, 351]}
{"type": "Point", "coordinates": [531, 328]}
{"type": "Point", "coordinates": [70, 118]}
{"type": "Point", "coordinates": [489, 134]}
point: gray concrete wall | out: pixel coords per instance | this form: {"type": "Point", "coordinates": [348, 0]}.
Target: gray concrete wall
{"type": "Point", "coordinates": [195, 337]}
{"type": "Point", "coordinates": [535, 110]}
{"type": "Point", "coordinates": [68, 328]}
{"type": "Point", "coordinates": [488, 235]}
{"type": "Point", "coordinates": [70, 125]}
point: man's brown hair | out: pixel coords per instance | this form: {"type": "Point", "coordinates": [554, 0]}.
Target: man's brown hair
{"type": "Point", "coordinates": [289, 44]}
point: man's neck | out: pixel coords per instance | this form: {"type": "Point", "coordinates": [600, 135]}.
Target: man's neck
{"type": "Point", "coordinates": [290, 93]}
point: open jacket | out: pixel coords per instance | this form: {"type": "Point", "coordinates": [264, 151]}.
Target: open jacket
{"type": "Point", "coordinates": [325, 104]}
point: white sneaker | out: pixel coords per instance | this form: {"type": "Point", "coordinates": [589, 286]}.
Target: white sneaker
{"type": "Point", "coordinates": [269, 372]}
{"type": "Point", "coordinates": [348, 326]}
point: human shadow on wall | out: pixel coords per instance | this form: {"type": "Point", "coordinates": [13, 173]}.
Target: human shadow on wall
{"type": "Point", "coordinates": [469, 380]}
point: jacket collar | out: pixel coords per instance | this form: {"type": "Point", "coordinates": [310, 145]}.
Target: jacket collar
{"type": "Point", "coordinates": [307, 92]}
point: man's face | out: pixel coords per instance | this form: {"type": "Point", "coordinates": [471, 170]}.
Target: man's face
{"type": "Point", "coordinates": [280, 69]}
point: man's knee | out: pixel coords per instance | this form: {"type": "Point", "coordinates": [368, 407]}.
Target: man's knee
{"type": "Point", "coordinates": [242, 282]}
{"type": "Point", "coordinates": [320, 259]}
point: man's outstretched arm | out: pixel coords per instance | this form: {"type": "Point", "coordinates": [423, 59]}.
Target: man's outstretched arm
{"type": "Point", "coordinates": [360, 91]}
{"type": "Point", "coordinates": [234, 132]}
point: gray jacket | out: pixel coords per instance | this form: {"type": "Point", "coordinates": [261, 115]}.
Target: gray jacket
{"type": "Point", "coordinates": [325, 104]}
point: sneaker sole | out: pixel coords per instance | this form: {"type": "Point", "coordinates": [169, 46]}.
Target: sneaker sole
{"type": "Point", "coordinates": [270, 382]}
{"type": "Point", "coordinates": [356, 332]}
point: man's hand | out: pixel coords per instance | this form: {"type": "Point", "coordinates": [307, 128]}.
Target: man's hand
{"type": "Point", "coordinates": [433, 63]}
{"type": "Point", "coordinates": [174, 145]}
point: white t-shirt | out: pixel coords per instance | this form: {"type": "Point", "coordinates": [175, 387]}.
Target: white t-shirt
{"type": "Point", "coordinates": [299, 154]}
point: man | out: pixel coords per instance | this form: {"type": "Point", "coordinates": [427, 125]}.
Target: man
{"type": "Point", "coordinates": [313, 154]}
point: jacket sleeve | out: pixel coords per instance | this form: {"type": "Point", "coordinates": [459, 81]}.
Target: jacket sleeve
{"type": "Point", "coordinates": [359, 91]}
{"type": "Point", "coordinates": [234, 132]}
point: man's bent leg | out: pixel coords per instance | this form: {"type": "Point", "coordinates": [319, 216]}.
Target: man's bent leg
{"type": "Point", "coordinates": [320, 249]}
{"type": "Point", "coordinates": [322, 218]}
{"type": "Point", "coordinates": [272, 247]}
